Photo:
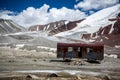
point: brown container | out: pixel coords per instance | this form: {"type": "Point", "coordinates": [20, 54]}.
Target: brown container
{"type": "Point", "coordinates": [80, 50]}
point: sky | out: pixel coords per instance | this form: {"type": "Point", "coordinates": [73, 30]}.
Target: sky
{"type": "Point", "coordinates": [32, 12]}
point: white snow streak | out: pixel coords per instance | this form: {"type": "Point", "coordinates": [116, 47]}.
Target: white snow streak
{"type": "Point", "coordinates": [92, 23]}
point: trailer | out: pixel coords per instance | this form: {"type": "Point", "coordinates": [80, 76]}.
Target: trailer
{"type": "Point", "coordinates": [90, 51]}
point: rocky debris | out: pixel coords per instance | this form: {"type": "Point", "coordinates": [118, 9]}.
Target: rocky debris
{"type": "Point", "coordinates": [55, 76]}
{"type": "Point", "coordinates": [78, 77]}
{"type": "Point", "coordinates": [52, 75]}
{"type": "Point", "coordinates": [35, 60]}
{"type": "Point", "coordinates": [63, 76]}
{"type": "Point", "coordinates": [87, 77]}
{"type": "Point", "coordinates": [79, 62]}
{"type": "Point", "coordinates": [11, 61]}
{"type": "Point", "coordinates": [67, 60]}
{"type": "Point", "coordinates": [110, 51]}
{"type": "Point", "coordinates": [32, 77]}
{"type": "Point", "coordinates": [105, 77]}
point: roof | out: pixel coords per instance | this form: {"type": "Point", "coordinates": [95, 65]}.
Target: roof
{"type": "Point", "coordinates": [80, 44]}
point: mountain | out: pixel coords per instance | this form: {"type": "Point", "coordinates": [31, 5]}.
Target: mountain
{"type": "Point", "coordinates": [8, 26]}
{"type": "Point", "coordinates": [55, 27]}
{"type": "Point", "coordinates": [109, 34]}
{"type": "Point", "coordinates": [102, 26]}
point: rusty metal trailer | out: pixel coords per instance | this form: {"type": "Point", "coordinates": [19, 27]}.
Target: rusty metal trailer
{"type": "Point", "coordinates": [81, 50]}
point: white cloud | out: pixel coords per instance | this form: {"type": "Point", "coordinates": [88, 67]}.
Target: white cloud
{"type": "Point", "coordinates": [32, 16]}
{"type": "Point", "coordinates": [5, 14]}
{"type": "Point", "coordinates": [66, 14]}
{"type": "Point", "coordinates": [95, 4]}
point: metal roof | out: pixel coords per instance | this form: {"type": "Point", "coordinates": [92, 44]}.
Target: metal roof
{"type": "Point", "coordinates": [80, 44]}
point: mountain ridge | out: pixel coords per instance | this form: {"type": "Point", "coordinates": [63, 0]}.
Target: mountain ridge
{"type": "Point", "coordinates": [102, 26]}
{"type": "Point", "coordinates": [8, 26]}
{"type": "Point", "coordinates": [94, 28]}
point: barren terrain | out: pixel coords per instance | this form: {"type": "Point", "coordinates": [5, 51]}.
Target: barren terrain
{"type": "Point", "coordinates": [18, 64]}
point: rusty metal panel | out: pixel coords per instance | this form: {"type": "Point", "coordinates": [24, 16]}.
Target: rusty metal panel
{"type": "Point", "coordinates": [62, 49]}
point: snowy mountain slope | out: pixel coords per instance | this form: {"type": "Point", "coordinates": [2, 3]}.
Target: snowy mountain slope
{"type": "Point", "coordinates": [8, 26]}
{"type": "Point", "coordinates": [102, 26]}
{"type": "Point", "coordinates": [109, 34]}
{"type": "Point", "coordinates": [55, 27]}
{"type": "Point", "coordinates": [94, 22]}
{"type": "Point", "coordinates": [47, 27]}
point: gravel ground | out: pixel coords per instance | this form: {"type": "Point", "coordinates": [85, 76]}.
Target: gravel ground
{"type": "Point", "coordinates": [12, 61]}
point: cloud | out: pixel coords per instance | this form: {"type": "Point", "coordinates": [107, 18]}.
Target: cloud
{"type": "Point", "coordinates": [95, 4]}
{"type": "Point", "coordinates": [66, 14]}
{"type": "Point", "coordinates": [43, 15]}
{"type": "Point", "coordinates": [5, 14]}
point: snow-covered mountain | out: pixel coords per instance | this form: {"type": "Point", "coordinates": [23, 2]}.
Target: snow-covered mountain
{"type": "Point", "coordinates": [104, 24]}
{"type": "Point", "coordinates": [8, 26]}
{"type": "Point", "coordinates": [94, 22]}
{"type": "Point", "coordinates": [56, 27]}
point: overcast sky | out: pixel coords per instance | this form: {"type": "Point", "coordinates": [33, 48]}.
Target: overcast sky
{"type": "Point", "coordinates": [32, 12]}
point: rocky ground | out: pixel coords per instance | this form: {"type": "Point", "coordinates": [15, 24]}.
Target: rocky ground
{"type": "Point", "coordinates": [17, 64]}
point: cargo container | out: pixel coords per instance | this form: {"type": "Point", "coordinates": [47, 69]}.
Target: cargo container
{"type": "Point", "coordinates": [90, 51]}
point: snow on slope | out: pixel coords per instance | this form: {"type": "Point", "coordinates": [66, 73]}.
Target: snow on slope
{"type": "Point", "coordinates": [8, 26]}
{"type": "Point", "coordinates": [92, 23]}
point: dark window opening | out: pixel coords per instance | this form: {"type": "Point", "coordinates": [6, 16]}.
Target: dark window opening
{"type": "Point", "coordinates": [80, 52]}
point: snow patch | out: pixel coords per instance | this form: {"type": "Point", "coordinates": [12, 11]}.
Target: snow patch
{"type": "Point", "coordinates": [44, 29]}
{"type": "Point", "coordinates": [91, 40]}
{"type": "Point", "coordinates": [111, 30]}
{"type": "Point", "coordinates": [102, 32]}
{"type": "Point", "coordinates": [8, 25]}
{"type": "Point", "coordinates": [66, 22]}
{"type": "Point", "coordinates": [117, 46]}
{"type": "Point", "coordinates": [106, 38]}
{"type": "Point", "coordinates": [111, 55]}
{"type": "Point", "coordinates": [20, 45]}
{"type": "Point", "coordinates": [48, 27]}
{"type": "Point", "coordinates": [37, 28]}
{"type": "Point", "coordinates": [91, 35]}
{"type": "Point", "coordinates": [101, 40]}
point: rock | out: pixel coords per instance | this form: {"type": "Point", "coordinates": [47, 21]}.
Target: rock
{"type": "Point", "coordinates": [105, 77]}
{"type": "Point", "coordinates": [35, 60]}
{"type": "Point", "coordinates": [30, 76]}
{"type": "Point", "coordinates": [52, 75]}
{"type": "Point", "coordinates": [67, 60]}
{"type": "Point", "coordinates": [78, 77]}
{"type": "Point", "coordinates": [78, 62]}
{"type": "Point", "coordinates": [11, 61]}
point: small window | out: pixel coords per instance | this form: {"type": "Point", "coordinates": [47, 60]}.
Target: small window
{"type": "Point", "coordinates": [79, 49]}
{"type": "Point", "coordinates": [88, 50]}
{"type": "Point", "coordinates": [70, 49]}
